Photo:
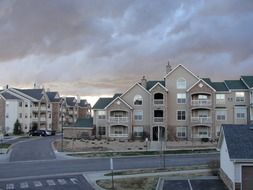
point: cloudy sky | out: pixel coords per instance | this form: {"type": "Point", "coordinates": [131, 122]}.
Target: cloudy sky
{"type": "Point", "coordinates": [95, 48]}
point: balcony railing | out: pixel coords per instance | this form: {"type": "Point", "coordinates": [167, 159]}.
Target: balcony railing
{"type": "Point", "coordinates": [118, 135]}
{"type": "Point", "coordinates": [158, 101]}
{"type": "Point", "coordinates": [201, 102]}
{"type": "Point", "coordinates": [201, 120]}
{"type": "Point", "coordinates": [201, 136]}
{"type": "Point", "coordinates": [220, 101]}
{"type": "Point", "coordinates": [158, 119]}
{"type": "Point", "coordinates": [43, 108]}
{"type": "Point", "coordinates": [118, 120]}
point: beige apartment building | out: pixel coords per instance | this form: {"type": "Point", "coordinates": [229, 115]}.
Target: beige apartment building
{"type": "Point", "coordinates": [181, 106]}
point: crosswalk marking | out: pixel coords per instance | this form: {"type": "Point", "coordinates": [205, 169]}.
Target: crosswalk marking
{"type": "Point", "coordinates": [37, 183]}
{"type": "Point", "coordinates": [24, 185]}
{"type": "Point", "coordinates": [50, 182]}
{"type": "Point", "coordinates": [10, 186]}
{"type": "Point", "coordinates": [74, 180]}
{"type": "Point", "coordinates": [62, 181]}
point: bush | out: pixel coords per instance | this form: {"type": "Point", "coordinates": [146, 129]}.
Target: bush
{"type": "Point", "coordinates": [17, 128]}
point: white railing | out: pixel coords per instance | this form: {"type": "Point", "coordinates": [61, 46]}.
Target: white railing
{"type": "Point", "coordinates": [35, 108]}
{"type": "Point", "coordinates": [201, 136]}
{"type": "Point", "coordinates": [118, 135]}
{"type": "Point", "coordinates": [201, 102]}
{"type": "Point", "coordinates": [43, 108]}
{"type": "Point", "coordinates": [35, 119]}
{"type": "Point", "coordinates": [201, 120]}
{"type": "Point", "coordinates": [158, 101]}
{"type": "Point", "coordinates": [43, 119]}
{"type": "Point", "coordinates": [220, 101]}
{"type": "Point", "coordinates": [118, 120]}
{"type": "Point", "coordinates": [158, 119]}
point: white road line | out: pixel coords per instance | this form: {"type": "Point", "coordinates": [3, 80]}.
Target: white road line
{"type": "Point", "coordinates": [189, 182]}
{"type": "Point", "coordinates": [37, 184]}
{"type": "Point", "coordinates": [74, 180]}
{"type": "Point", "coordinates": [62, 181]}
{"type": "Point", "coordinates": [9, 186]}
{"type": "Point", "coordinates": [50, 182]}
{"type": "Point", "coordinates": [24, 185]}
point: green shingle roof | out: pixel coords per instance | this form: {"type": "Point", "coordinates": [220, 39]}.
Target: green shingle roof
{"type": "Point", "coordinates": [103, 102]}
{"type": "Point", "coordinates": [84, 123]}
{"type": "Point", "coordinates": [235, 84]}
{"type": "Point", "coordinates": [248, 80]}
{"type": "Point", "coordinates": [218, 86]}
{"type": "Point", "coordinates": [152, 83]}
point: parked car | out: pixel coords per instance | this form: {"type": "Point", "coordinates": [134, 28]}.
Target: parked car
{"type": "Point", "coordinates": [50, 132]}
{"type": "Point", "coordinates": [38, 133]}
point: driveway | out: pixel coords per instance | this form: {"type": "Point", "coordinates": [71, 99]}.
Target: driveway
{"type": "Point", "coordinates": [34, 148]}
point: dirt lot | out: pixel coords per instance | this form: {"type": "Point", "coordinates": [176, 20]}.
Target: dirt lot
{"type": "Point", "coordinates": [104, 145]}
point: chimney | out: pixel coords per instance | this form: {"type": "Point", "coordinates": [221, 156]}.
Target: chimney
{"type": "Point", "coordinates": [168, 68]}
{"type": "Point", "coordinates": [144, 82]}
{"type": "Point", "coordinates": [7, 86]}
{"type": "Point", "coordinates": [78, 99]}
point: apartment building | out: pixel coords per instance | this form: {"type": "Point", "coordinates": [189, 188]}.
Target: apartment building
{"type": "Point", "coordinates": [181, 106]}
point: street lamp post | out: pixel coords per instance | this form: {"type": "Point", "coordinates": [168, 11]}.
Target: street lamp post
{"type": "Point", "coordinates": [62, 132]}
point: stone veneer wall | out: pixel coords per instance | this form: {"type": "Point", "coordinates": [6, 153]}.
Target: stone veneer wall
{"type": "Point", "coordinates": [226, 180]}
{"type": "Point", "coordinates": [2, 115]}
{"type": "Point", "coordinates": [55, 116]}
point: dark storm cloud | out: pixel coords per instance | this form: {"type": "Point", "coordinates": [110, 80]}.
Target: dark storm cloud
{"type": "Point", "coordinates": [99, 47]}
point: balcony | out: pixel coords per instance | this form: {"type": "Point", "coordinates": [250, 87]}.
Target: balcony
{"type": "Point", "coordinates": [118, 135]}
{"type": "Point", "coordinates": [201, 103]}
{"type": "Point", "coordinates": [35, 108]}
{"type": "Point", "coordinates": [158, 102]}
{"type": "Point", "coordinates": [35, 119]}
{"type": "Point", "coordinates": [158, 119]}
{"type": "Point", "coordinates": [71, 112]}
{"type": "Point", "coordinates": [201, 120]}
{"type": "Point", "coordinates": [43, 119]}
{"type": "Point", "coordinates": [118, 120]}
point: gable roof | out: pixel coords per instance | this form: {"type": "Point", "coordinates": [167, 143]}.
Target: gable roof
{"type": "Point", "coordinates": [52, 96]}
{"type": "Point", "coordinates": [235, 84]}
{"type": "Point", "coordinates": [198, 82]}
{"type": "Point", "coordinates": [239, 141]}
{"type": "Point", "coordinates": [248, 80]}
{"type": "Point", "coordinates": [184, 69]}
{"type": "Point", "coordinates": [8, 96]}
{"type": "Point", "coordinates": [218, 86]}
{"type": "Point", "coordinates": [70, 101]}
{"type": "Point", "coordinates": [103, 102]}
{"type": "Point", "coordinates": [83, 103]}
{"type": "Point", "coordinates": [152, 83]}
{"type": "Point", "coordinates": [138, 84]}
{"type": "Point", "coordinates": [120, 99]}
{"type": "Point", "coordinates": [36, 94]}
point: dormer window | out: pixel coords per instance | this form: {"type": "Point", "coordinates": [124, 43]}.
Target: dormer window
{"type": "Point", "coordinates": [138, 100]}
{"type": "Point", "coordinates": [181, 83]}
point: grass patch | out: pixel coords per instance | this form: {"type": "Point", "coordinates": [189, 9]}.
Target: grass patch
{"type": "Point", "coordinates": [5, 145]}
{"type": "Point", "coordinates": [137, 183]}
{"type": "Point", "coordinates": [155, 170]}
{"type": "Point", "coordinates": [141, 153]}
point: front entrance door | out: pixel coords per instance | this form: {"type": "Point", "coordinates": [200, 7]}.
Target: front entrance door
{"type": "Point", "coordinates": [158, 133]}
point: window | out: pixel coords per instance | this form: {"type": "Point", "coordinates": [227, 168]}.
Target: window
{"type": "Point", "coordinates": [240, 113]}
{"type": "Point", "coordinates": [138, 100]}
{"type": "Point", "coordinates": [203, 132]}
{"type": "Point", "coordinates": [7, 116]}
{"type": "Point", "coordinates": [181, 98]}
{"type": "Point", "coordinates": [202, 97]}
{"type": "Point", "coordinates": [181, 115]}
{"type": "Point", "coordinates": [101, 114]}
{"type": "Point", "coordinates": [20, 104]}
{"type": "Point", "coordinates": [101, 130]}
{"type": "Point", "coordinates": [26, 105]}
{"type": "Point", "coordinates": [49, 115]}
{"type": "Point", "coordinates": [220, 98]}
{"type": "Point", "coordinates": [158, 98]}
{"type": "Point", "coordinates": [181, 132]}
{"type": "Point", "coordinates": [138, 115]}
{"type": "Point", "coordinates": [181, 83]}
{"type": "Point", "coordinates": [138, 131]}
{"type": "Point", "coordinates": [221, 115]}
{"type": "Point", "coordinates": [26, 115]}
{"type": "Point", "coordinates": [239, 97]}
{"type": "Point", "coordinates": [20, 115]}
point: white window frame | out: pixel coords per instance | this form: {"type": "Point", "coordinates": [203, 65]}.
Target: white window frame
{"type": "Point", "coordinates": [138, 115]}
{"type": "Point", "coordinates": [181, 130]}
{"type": "Point", "coordinates": [240, 114]}
{"type": "Point", "coordinates": [202, 97]}
{"type": "Point", "coordinates": [99, 129]}
{"type": "Point", "coordinates": [181, 83]}
{"type": "Point", "coordinates": [138, 131]}
{"type": "Point", "coordinates": [239, 96]}
{"type": "Point", "coordinates": [219, 114]}
{"type": "Point", "coordinates": [181, 97]}
{"type": "Point", "coordinates": [220, 98]}
{"type": "Point", "coordinates": [136, 97]}
{"type": "Point", "coordinates": [181, 115]}
{"type": "Point", "coordinates": [101, 114]}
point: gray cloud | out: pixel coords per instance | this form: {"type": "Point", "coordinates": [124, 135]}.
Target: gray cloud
{"type": "Point", "coordinates": [94, 47]}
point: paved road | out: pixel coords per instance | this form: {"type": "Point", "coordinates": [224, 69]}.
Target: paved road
{"type": "Point", "coordinates": [37, 148]}
{"type": "Point", "coordinates": [61, 182]}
